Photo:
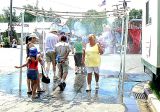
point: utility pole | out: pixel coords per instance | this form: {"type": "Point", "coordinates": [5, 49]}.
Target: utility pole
{"type": "Point", "coordinates": [36, 12]}
{"type": "Point", "coordinates": [123, 49]}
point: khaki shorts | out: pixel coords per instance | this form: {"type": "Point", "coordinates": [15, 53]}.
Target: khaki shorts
{"type": "Point", "coordinates": [63, 67]}
{"type": "Point", "coordinates": [51, 56]}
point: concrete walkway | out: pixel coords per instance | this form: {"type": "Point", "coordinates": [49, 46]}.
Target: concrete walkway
{"type": "Point", "coordinates": [10, 103]}
{"type": "Point", "coordinates": [74, 97]}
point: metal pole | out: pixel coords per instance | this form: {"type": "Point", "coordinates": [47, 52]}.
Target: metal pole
{"type": "Point", "coordinates": [125, 49]}
{"type": "Point", "coordinates": [10, 21]}
{"type": "Point", "coordinates": [21, 53]}
{"type": "Point", "coordinates": [43, 36]}
{"type": "Point", "coordinates": [122, 64]}
{"type": "Point", "coordinates": [36, 16]}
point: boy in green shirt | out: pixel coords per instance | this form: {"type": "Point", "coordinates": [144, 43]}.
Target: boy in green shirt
{"type": "Point", "coordinates": [78, 46]}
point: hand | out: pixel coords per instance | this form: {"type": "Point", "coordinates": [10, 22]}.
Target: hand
{"type": "Point", "coordinates": [100, 49]}
{"type": "Point", "coordinates": [16, 67]}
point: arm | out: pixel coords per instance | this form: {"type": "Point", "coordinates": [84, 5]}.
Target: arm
{"type": "Point", "coordinates": [23, 64]}
{"type": "Point", "coordinates": [66, 55]}
{"type": "Point", "coordinates": [100, 49]}
{"type": "Point", "coordinates": [40, 60]}
{"type": "Point", "coordinates": [83, 56]}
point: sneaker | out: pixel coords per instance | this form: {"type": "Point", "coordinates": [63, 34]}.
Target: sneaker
{"type": "Point", "coordinates": [88, 88]}
{"type": "Point", "coordinates": [64, 84]}
{"type": "Point", "coordinates": [40, 91]}
{"type": "Point", "coordinates": [61, 86]}
{"type": "Point", "coordinates": [97, 86]}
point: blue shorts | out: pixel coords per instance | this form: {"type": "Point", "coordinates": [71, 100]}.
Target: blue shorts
{"type": "Point", "coordinates": [32, 74]}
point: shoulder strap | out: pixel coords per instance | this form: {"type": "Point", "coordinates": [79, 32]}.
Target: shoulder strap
{"type": "Point", "coordinates": [42, 71]}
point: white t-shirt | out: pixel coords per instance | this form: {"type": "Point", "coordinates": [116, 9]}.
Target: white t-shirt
{"type": "Point", "coordinates": [61, 49]}
{"type": "Point", "coordinates": [50, 42]}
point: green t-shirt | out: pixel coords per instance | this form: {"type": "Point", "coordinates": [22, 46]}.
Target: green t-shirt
{"type": "Point", "coordinates": [78, 47]}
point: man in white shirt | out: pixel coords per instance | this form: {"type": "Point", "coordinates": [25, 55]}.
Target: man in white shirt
{"type": "Point", "coordinates": [50, 42]}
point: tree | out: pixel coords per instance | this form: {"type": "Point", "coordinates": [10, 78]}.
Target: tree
{"type": "Point", "coordinates": [135, 14]}
{"type": "Point", "coordinates": [7, 15]}
{"type": "Point", "coordinates": [70, 22]}
{"type": "Point", "coordinates": [2, 18]}
{"type": "Point", "coordinates": [27, 16]}
{"type": "Point", "coordinates": [92, 23]}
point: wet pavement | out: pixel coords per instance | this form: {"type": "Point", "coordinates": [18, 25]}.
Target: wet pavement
{"type": "Point", "coordinates": [74, 93]}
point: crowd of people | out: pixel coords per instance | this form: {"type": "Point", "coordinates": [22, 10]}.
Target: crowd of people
{"type": "Point", "coordinates": [57, 49]}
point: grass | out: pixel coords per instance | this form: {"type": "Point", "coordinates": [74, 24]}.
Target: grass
{"type": "Point", "coordinates": [154, 90]}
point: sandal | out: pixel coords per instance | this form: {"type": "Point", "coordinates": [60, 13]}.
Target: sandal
{"type": "Point", "coordinates": [29, 93]}
{"type": "Point", "coordinates": [40, 91]}
{"type": "Point", "coordinates": [36, 97]}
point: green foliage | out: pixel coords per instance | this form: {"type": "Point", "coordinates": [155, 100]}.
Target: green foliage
{"type": "Point", "coordinates": [154, 89]}
{"type": "Point", "coordinates": [94, 25]}
{"type": "Point", "coordinates": [91, 23]}
{"type": "Point", "coordinates": [7, 15]}
{"type": "Point", "coordinates": [27, 16]}
{"type": "Point", "coordinates": [117, 23]}
{"type": "Point", "coordinates": [135, 14]}
{"type": "Point", "coordinates": [2, 18]}
{"type": "Point", "coordinates": [70, 22]}
{"type": "Point", "coordinates": [6, 41]}
{"type": "Point", "coordinates": [14, 35]}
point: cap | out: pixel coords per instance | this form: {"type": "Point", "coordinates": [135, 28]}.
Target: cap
{"type": "Point", "coordinates": [53, 28]}
{"type": "Point", "coordinates": [33, 35]}
{"type": "Point", "coordinates": [33, 51]}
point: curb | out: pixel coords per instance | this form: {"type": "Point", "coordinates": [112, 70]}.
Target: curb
{"type": "Point", "coordinates": [152, 100]}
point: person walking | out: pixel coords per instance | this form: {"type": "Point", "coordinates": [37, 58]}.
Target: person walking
{"type": "Point", "coordinates": [78, 55]}
{"type": "Point", "coordinates": [92, 60]}
{"type": "Point", "coordinates": [62, 51]}
{"type": "Point", "coordinates": [32, 69]}
{"type": "Point", "coordinates": [50, 42]}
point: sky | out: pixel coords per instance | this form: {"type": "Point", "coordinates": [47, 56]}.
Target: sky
{"type": "Point", "coordinates": [70, 5]}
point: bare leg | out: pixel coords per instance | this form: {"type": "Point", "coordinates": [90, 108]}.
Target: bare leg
{"type": "Point", "coordinates": [34, 85]}
{"type": "Point", "coordinates": [38, 84]}
{"type": "Point", "coordinates": [96, 77]}
{"type": "Point", "coordinates": [64, 76]}
{"type": "Point", "coordinates": [60, 72]}
{"type": "Point", "coordinates": [48, 68]}
{"type": "Point", "coordinates": [54, 68]}
{"type": "Point", "coordinates": [29, 85]}
{"type": "Point", "coordinates": [89, 78]}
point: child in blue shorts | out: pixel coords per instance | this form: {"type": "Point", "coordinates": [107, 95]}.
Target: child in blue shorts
{"type": "Point", "coordinates": [32, 69]}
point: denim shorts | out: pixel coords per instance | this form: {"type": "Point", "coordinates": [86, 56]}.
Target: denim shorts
{"type": "Point", "coordinates": [32, 74]}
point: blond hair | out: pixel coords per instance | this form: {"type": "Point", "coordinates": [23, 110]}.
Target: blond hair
{"type": "Point", "coordinates": [92, 36]}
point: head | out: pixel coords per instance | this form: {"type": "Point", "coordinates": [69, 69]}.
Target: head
{"type": "Point", "coordinates": [28, 39]}
{"type": "Point", "coordinates": [33, 52]}
{"type": "Point", "coordinates": [62, 33]}
{"type": "Point", "coordinates": [33, 37]}
{"type": "Point", "coordinates": [63, 38]}
{"type": "Point", "coordinates": [53, 30]}
{"type": "Point", "coordinates": [92, 38]}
